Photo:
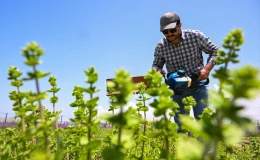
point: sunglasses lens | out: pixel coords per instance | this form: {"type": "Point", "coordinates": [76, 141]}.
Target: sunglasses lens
{"type": "Point", "coordinates": [173, 30]}
{"type": "Point", "coordinates": [165, 31]}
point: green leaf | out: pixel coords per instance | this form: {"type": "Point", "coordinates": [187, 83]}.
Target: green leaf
{"type": "Point", "coordinates": [93, 144]}
{"type": "Point", "coordinates": [155, 134]}
{"type": "Point", "coordinates": [54, 99]}
{"type": "Point", "coordinates": [84, 140]}
{"type": "Point", "coordinates": [17, 83]}
{"type": "Point", "coordinates": [117, 119]}
{"type": "Point", "coordinates": [32, 61]}
{"type": "Point", "coordinates": [110, 153]}
{"type": "Point", "coordinates": [92, 102]}
{"type": "Point", "coordinates": [37, 75]}
{"type": "Point", "coordinates": [92, 75]}
{"type": "Point", "coordinates": [190, 124]}
{"type": "Point", "coordinates": [92, 78]}
{"type": "Point", "coordinates": [232, 134]}
{"type": "Point", "coordinates": [13, 73]}
{"type": "Point", "coordinates": [126, 140]}
{"type": "Point", "coordinates": [192, 147]}
{"type": "Point", "coordinates": [74, 104]}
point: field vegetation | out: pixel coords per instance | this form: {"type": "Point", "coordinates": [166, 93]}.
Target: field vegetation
{"type": "Point", "coordinates": [220, 134]}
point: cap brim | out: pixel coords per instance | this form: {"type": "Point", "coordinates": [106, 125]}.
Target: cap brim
{"type": "Point", "coordinates": [168, 26]}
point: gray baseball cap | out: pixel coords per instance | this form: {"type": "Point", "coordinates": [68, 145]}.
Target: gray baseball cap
{"type": "Point", "coordinates": [168, 20]}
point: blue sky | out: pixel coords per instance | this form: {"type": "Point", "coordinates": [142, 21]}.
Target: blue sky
{"type": "Point", "coordinates": [109, 35]}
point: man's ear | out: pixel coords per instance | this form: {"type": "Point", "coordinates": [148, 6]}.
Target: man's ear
{"type": "Point", "coordinates": [180, 24]}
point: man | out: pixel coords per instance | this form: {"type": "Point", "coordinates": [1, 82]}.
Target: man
{"type": "Point", "coordinates": [182, 49]}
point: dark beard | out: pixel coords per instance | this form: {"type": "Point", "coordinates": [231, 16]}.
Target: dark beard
{"type": "Point", "coordinates": [176, 39]}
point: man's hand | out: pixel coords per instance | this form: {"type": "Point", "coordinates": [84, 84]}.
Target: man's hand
{"type": "Point", "coordinates": [204, 73]}
{"type": "Point", "coordinates": [161, 71]}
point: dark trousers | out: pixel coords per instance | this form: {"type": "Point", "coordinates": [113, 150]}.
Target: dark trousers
{"type": "Point", "coordinates": [199, 95]}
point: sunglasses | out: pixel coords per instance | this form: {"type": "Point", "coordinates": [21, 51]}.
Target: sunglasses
{"type": "Point", "coordinates": [173, 30]}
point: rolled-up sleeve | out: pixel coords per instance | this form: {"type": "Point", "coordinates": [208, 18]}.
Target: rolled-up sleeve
{"type": "Point", "coordinates": [208, 47]}
{"type": "Point", "coordinates": [159, 60]}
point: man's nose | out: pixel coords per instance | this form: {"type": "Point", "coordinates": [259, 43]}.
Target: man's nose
{"type": "Point", "coordinates": [169, 32]}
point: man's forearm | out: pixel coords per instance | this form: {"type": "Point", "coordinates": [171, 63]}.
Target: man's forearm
{"type": "Point", "coordinates": [209, 66]}
{"type": "Point", "coordinates": [160, 70]}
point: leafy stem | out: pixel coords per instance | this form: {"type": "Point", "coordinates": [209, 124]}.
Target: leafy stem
{"type": "Point", "coordinates": [54, 98]}
{"type": "Point", "coordinates": [38, 92]}
{"type": "Point", "coordinates": [141, 87]}
{"type": "Point", "coordinates": [32, 53]}
{"type": "Point", "coordinates": [166, 137]}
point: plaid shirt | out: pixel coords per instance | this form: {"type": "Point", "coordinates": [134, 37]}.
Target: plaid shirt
{"type": "Point", "coordinates": [187, 55]}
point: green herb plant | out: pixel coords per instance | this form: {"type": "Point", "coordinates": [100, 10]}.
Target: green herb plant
{"type": "Point", "coordinates": [54, 98]}
{"type": "Point", "coordinates": [122, 141]}
{"type": "Point", "coordinates": [112, 107]}
{"type": "Point", "coordinates": [85, 115]}
{"type": "Point", "coordinates": [142, 107]}
{"type": "Point", "coordinates": [162, 104]}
